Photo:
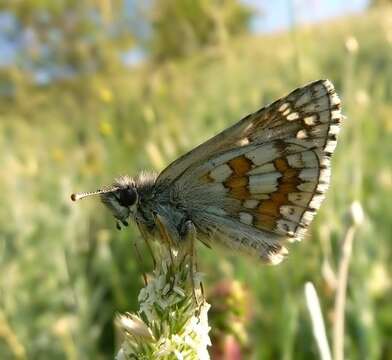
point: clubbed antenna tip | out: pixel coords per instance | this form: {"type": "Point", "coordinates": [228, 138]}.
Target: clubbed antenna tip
{"type": "Point", "coordinates": [81, 195]}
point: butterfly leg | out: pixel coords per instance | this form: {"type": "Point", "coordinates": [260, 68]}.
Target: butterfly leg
{"type": "Point", "coordinates": [183, 238]}
{"type": "Point", "coordinates": [168, 233]}
{"type": "Point", "coordinates": [188, 235]}
{"type": "Point", "coordinates": [146, 238]}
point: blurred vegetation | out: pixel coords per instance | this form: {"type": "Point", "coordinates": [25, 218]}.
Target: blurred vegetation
{"type": "Point", "coordinates": [380, 2]}
{"type": "Point", "coordinates": [70, 37]}
{"type": "Point", "coordinates": [183, 27]}
{"type": "Point", "coordinates": [65, 269]}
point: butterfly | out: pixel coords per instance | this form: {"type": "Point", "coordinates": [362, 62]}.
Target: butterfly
{"type": "Point", "coordinates": [253, 187]}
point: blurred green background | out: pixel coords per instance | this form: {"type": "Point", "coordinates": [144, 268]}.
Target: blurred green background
{"type": "Point", "coordinates": [90, 90]}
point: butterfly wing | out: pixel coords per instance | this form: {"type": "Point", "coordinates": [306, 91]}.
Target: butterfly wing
{"type": "Point", "coordinates": [261, 181]}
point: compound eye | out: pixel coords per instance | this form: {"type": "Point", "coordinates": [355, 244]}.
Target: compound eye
{"type": "Point", "coordinates": [127, 197]}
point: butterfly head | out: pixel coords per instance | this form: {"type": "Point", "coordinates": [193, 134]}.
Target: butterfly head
{"type": "Point", "coordinates": [121, 198]}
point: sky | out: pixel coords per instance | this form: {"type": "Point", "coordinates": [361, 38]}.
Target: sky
{"type": "Point", "coordinates": [278, 15]}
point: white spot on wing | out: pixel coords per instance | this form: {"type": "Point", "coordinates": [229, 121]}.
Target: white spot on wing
{"type": "Point", "coordinates": [292, 213]}
{"type": "Point", "coordinates": [310, 120]}
{"type": "Point", "coordinates": [301, 134]}
{"type": "Point", "coordinates": [300, 198]}
{"type": "Point", "coordinates": [334, 129]}
{"type": "Point", "coordinates": [293, 116]}
{"type": "Point", "coordinates": [221, 173]}
{"type": "Point", "coordinates": [243, 142]}
{"type": "Point", "coordinates": [251, 203]}
{"type": "Point", "coordinates": [334, 99]}
{"type": "Point", "coordinates": [304, 159]}
{"type": "Point", "coordinates": [328, 85]}
{"type": "Point", "coordinates": [262, 188]}
{"type": "Point", "coordinates": [325, 161]}
{"type": "Point", "coordinates": [322, 187]}
{"type": "Point", "coordinates": [330, 147]}
{"type": "Point", "coordinates": [269, 178]}
{"type": "Point", "coordinates": [283, 107]}
{"type": "Point", "coordinates": [307, 218]}
{"type": "Point", "coordinates": [336, 114]}
{"type": "Point", "coordinates": [325, 175]}
{"type": "Point", "coordinates": [316, 201]}
{"type": "Point", "coordinates": [262, 154]}
{"type": "Point", "coordinates": [266, 168]}
{"type": "Point", "coordinates": [246, 218]}
{"type": "Point", "coordinates": [264, 183]}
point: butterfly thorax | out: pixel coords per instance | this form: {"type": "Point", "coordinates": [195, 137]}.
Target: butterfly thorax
{"type": "Point", "coordinates": [158, 204]}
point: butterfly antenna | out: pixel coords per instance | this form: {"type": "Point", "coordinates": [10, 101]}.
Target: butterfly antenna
{"type": "Point", "coordinates": [81, 195]}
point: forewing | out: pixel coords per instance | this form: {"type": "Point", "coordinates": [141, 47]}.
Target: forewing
{"type": "Point", "coordinates": [261, 181]}
{"type": "Point", "coordinates": [273, 121]}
